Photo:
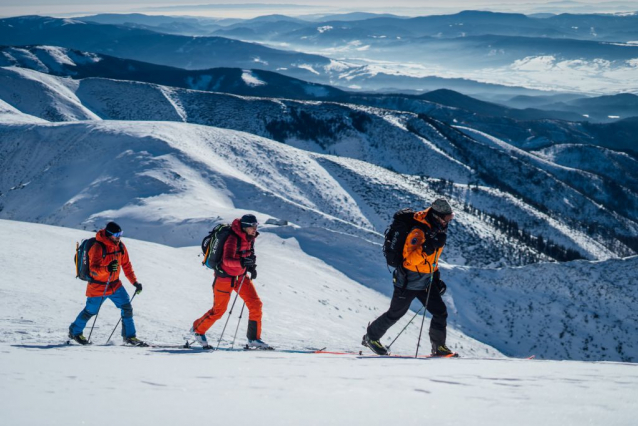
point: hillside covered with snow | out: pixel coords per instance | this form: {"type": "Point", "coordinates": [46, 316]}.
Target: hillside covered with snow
{"type": "Point", "coordinates": [307, 305]}
{"type": "Point", "coordinates": [169, 183]}
{"type": "Point", "coordinates": [488, 178]}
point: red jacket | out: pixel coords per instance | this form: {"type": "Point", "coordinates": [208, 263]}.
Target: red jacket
{"type": "Point", "coordinates": [232, 253]}
{"type": "Point", "coordinates": [98, 266]}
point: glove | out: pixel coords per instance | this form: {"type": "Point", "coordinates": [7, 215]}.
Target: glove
{"type": "Point", "coordinates": [247, 262]}
{"type": "Point", "coordinates": [437, 283]}
{"type": "Point", "coordinates": [253, 272]}
{"type": "Point", "coordinates": [138, 287]}
{"type": "Point", "coordinates": [113, 266]}
{"type": "Point", "coordinates": [439, 240]}
{"type": "Point", "coordinates": [440, 285]}
{"type": "Point", "coordinates": [434, 243]}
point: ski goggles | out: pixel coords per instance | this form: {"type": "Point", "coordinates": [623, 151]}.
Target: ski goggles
{"type": "Point", "coordinates": [116, 234]}
{"type": "Point", "coordinates": [250, 225]}
{"type": "Point", "coordinates": [444, 220]}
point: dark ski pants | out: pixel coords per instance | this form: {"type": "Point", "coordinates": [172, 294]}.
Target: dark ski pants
{"type": "Point", "coordinates": [400, 304]}
{"type": "Point", "coordinates": [121, 300]}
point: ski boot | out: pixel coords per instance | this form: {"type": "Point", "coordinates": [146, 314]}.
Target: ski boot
{"type": "Point", "coordinates": [134, 341]}
{"type": "Point", "coordinates": [201, 339]}
{"type": "Point", "coordinates": [374, 345]}
{"type": "Point", "coordinates": [79, 338]}
{"type": "Point", "coordinates": [442, 351]}
{"type": "Point", "coordinates": [258, 344]}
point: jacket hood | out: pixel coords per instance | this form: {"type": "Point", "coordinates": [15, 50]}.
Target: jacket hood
{"type": "Point", "coordinates": [422, 216]}
{"type": "Point", "coordinates": [101, 237]}
{"type": "Point", "coordinates": [236, 227]}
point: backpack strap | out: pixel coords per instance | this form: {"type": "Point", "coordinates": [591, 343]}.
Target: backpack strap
{"type": "Point", "coordinates": [218, 268]}
{"type": "Point", "coordinates": [104, 253]}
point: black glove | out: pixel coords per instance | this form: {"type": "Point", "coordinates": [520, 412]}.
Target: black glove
{"type": "Point", "coordinates": [247, 262]}
{"type": "Point", "coordinates": [113, 266]}
{"type": "Point", "coordinates": [434, 242]}
{"type": "Point", "coordinates": [441, 287]}
{"type": "Point", "coordinates": [253, 272]}
{"type": "Point", "coordinates": [138, 287]}
{"type": "Point", "coordinates": [437, 283]}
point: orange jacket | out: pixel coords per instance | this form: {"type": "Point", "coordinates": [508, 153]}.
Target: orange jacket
{"type": "Point", "coordinates": [98, 266]}
{"type": "Point", "coordinates": [415, 259]}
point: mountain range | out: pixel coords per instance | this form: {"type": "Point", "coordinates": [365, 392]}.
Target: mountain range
{"type": "Point", "coordinates": [412, 144]}
{"type": "Point", "coordinates": [595, 27]}
{"type": "Point", "coordinates": [526, 128]}
{"type": "Point", "coordinates": [195, 53]}
{"type": "Point", "coordinates": [540, 257]}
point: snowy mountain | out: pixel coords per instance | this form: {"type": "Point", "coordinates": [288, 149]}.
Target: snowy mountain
{"type": "Point", "coordinates": [489, 178]}
{"type": "Point", "coordinates": [544, 339]}
{"type": "Point", "coordinates": [168, 182]}
{"type": "Point", "coordinates": [311, 304]}
{"type": "Point", "coordinates": [163, 49]}
{"type": "Point", "coordinates": [77, 64]}
{"type": "Point", "coordinates": [204, 52]}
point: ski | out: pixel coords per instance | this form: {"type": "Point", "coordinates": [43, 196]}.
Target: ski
{"type": "Point", "coordinates": [390, 356]}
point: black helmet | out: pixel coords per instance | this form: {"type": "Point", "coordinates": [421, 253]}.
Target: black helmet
{"type": "Point", "coordinates": [113, 229]}
{"type": "Point", "coordinates": [248, 220]}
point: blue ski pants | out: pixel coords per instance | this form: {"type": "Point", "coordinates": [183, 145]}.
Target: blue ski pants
{"type": "Point", "coordinates": [121, 300]}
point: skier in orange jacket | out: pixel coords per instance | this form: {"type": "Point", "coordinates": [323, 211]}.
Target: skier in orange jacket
{"type": "Point", "coordinates": [417, 276]}
{"type": "Point", "coordinates": [106, 257]}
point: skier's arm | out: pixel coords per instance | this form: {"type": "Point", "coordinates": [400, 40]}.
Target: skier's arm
{"type": "Point", "coordinates": [127, 266]}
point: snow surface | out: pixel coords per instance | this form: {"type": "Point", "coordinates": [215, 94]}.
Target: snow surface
{"type": "Point", "coordinates": [310, 305]}
{"type": "Point", "coordinates": [168, 183]}
{"type": "Point", "coordinates": [251, 79]}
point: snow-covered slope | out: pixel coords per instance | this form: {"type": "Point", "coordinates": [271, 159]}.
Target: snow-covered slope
{"type": "Point", "coordinates": [10, 115]}
{"type": "Point", "coordinates": [307, 303]}
{"type": "Point", "coordinates": [405, 142]}
{"type": "Point", "coordinates": [168, 183]}
{"type": "Point", "coordinates": [41, 95]}
{"type": "Point", "coordinates": [559, 310]}
{"type": "Point", "coordinates": [183, 175]}
{"type": "Point", "coordinates": [310, 305]}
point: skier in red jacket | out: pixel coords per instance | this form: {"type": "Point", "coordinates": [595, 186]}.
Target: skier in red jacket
{"type": "Point", "coordinates": [238, 258]}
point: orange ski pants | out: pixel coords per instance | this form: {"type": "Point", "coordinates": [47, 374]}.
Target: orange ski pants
{"type": "Point", "coordinates": [222, 290]}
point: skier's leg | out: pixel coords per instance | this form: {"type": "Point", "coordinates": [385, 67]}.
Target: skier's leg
{"type": "Point", "coordinates": [254, 304]}
{"type": "Point", "coordinates": [91, 308]}
{"type": "Point", "coordinates": [221, 292]}
{"type": "Point", "coordinates": [122, 301]}
{"type": "Point", "coordinates": [399, 305]}
{"type": "Point", "coordinates": [438, 325]}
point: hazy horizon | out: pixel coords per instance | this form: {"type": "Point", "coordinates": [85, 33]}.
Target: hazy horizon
{"type": "Point", "coordinates": [250, 9]}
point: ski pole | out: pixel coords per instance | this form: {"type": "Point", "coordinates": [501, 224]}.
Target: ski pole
{"type": "Point", "coordinates": [231, 311]}
{"type": "Point", "coordinates": [238, 322]}
{"type": "Point", "coordinates": [100, 307]}
{"type": "Point", "coordinates": [118, 321]}
{"type": "Point", "coordinates": [406, 326]}
{"type": "Point", "coordinates": [427, 299]}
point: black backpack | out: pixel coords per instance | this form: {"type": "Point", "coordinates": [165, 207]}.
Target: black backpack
{"type": "Point", "coordinates": [402, 223]}
{"type": "Point", "coordinates": [213, 246]}
{"type": "Point", "coordinates": [81, 258]}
